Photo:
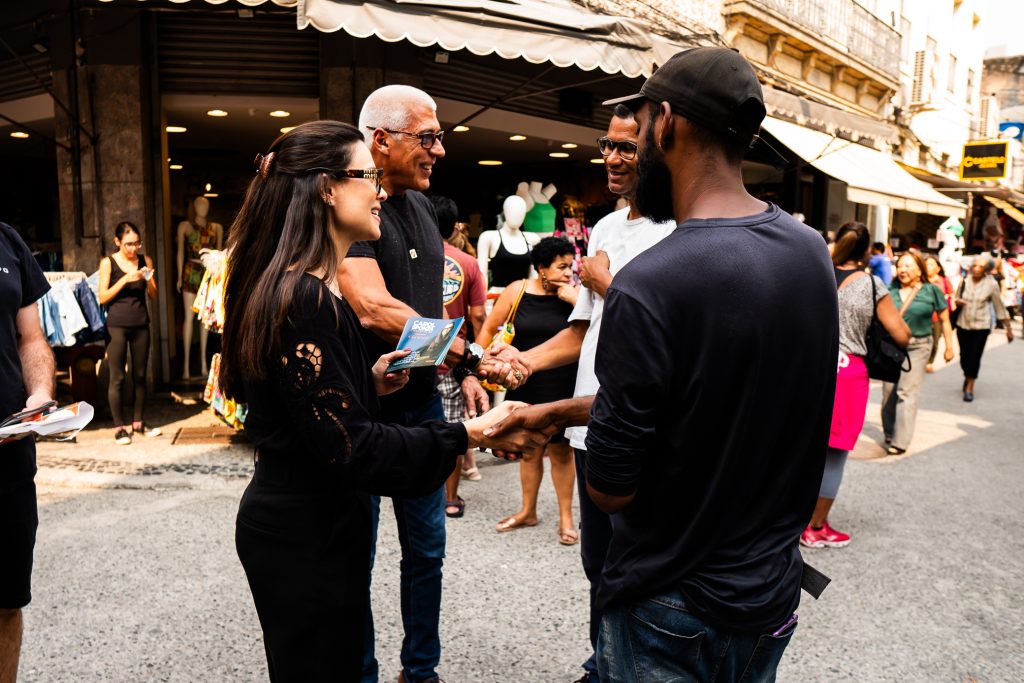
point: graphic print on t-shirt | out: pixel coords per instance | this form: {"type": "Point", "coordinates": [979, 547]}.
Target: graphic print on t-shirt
{"type": "Point", "coordinates": [454, 280]}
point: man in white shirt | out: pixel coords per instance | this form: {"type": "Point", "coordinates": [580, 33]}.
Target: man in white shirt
{"type": "Point", "coordinates": [615, 241]}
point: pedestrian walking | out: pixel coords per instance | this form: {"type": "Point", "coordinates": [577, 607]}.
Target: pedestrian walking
{"type": "Point", "coordinates": [27, 368]}
{"type": "Point", "coordinates": [545, 303]}
{"type": "Point", "coordinates": [880, 263]}
{"type": "Point", "coordinates": [917, 299]}
{"type": "Point", "coordinates": [293, 351]}
{"type": "Point", "coordinates": [861, 296]}
{"type": "Point", "coordinates": [126, 279]}
{"type": "Point", "coordinates": [706, 446]}
{"type": "Point", "coordinates": [937, 276]}
{"type": "Point", "coordinates": [979, 300]}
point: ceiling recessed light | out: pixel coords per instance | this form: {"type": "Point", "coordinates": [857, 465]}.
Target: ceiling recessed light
{"type": "Point", "coordinates": [280, 114]}
{"type": "Point", "coordinates": [20, 134]}
{"type": "Point", "coordinates": [216, 112]}
{"type": "Point", "coordinates": [559, 155]}
{"type": "Point", "coordinates": [460, 129]}
{"type": "Point", "coordinates": [176, 167]}
{"type": "Point", "coordinates": [599, 160]}
{"type": "Point", "coordinates": [176, 129]}
{"type": "Point", "coordinates": [517, 138]}
{"type": "Point", "coordinates": [211, 194]}
{"type": "Point", "coordinates": [569, 145]}
{"type": "Point", "coordinates": [287, 129]}
{"type": "Point", "coordinates": [489, 162]}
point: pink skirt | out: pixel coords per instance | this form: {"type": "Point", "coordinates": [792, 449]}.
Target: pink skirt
{"type": "Point", "coordinates": [850, 404]}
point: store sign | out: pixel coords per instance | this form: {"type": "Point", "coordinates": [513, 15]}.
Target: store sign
{"type": "Point", "coordinates": [984, 160]}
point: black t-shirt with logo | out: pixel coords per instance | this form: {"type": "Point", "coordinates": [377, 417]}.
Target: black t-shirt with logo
{"type": "Point", "coordinates": [717, 363]}
{"type": "Point", "coordinates": [410, 254]}
{"type": "Point", "coordinates": [21, 284]}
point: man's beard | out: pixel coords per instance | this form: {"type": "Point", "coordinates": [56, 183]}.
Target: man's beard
{"type": "Point", "coordinates": [654, 182]}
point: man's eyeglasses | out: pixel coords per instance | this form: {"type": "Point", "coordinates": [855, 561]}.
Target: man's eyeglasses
{"type": "Point", "coordinates": [374, 175]}
{"type": "Point", "coordinates": [627, 150]}
{"type": "Point", "coordinates": [426, 139]}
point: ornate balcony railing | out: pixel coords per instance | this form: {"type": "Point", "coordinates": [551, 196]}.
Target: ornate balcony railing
{"type": "Point", "coordinates": [847, 25]}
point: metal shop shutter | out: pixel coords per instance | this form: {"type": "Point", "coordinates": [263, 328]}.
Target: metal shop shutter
{"type": "Point", "coordinates": [16, 81]}
{"type": "Point", "coordinates": [220, 53]}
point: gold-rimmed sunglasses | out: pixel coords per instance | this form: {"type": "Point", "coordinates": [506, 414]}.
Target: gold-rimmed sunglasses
{"type": "Point", "coordinates": [374, 175]}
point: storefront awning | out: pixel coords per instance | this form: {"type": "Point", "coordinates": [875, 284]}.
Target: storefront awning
{"type": "Point", "coordinates": [248, 3]}
{"type": "Point", "coordinates": [536, 31]}
{"type": "Point", "coordinates": [872, 177]}
{"type": "Point", "coordinates": [1008, 208]}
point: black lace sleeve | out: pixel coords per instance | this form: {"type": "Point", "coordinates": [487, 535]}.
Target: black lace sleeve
{"type": "Point", "coordinates": [327, 396]}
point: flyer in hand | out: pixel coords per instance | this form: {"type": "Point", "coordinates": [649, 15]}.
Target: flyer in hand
{"type": "Point", "coordinates": [429, 339]}
{"type": "Point", "coordinates": [66, 422]}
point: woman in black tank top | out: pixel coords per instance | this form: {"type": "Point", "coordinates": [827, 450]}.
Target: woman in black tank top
{"type": "Point", "coordinates": [126, 278]}
{"type": "Point", "coordinates": [507, 267]}
{"type": "Point", "coordinates": [543, 312]}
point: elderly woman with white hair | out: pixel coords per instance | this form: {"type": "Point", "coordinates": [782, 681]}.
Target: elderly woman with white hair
{"type": "Point", "coordinates": [974, 295]}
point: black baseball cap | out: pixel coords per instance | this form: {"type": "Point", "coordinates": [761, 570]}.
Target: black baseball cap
{"type": "Point", "coordinates": [714, 87]}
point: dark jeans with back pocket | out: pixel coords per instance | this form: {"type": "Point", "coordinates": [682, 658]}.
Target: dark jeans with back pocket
{"type": "Point", "coordinates": [658, 641]}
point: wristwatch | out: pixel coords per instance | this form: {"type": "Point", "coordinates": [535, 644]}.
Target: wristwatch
{"type": "Point", "coordinates": [472, 356]}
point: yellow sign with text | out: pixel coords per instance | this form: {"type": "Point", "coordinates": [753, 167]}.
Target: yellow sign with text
{"type": "Point", "coordinates": [985, 160]}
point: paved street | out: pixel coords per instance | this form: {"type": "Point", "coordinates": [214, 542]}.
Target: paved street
{"type": "Point", "coordinates": [136, 577]}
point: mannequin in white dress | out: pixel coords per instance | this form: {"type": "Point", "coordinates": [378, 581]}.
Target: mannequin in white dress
{"type": "Point", "coordinates": [504, 254]}
{"type": "Point", "coordinates": [193, 236]}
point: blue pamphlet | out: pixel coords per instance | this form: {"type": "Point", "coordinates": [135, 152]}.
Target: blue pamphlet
{"type": "Point", "coordinates": [429, 339]}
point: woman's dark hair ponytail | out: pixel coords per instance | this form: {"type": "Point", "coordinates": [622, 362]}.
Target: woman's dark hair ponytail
{"type": "Point", "coordinates": [852, 243]}
{"type": "Point", "coordinates": [281, 232]}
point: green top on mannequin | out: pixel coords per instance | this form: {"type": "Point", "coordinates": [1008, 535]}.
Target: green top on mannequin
{"type": "Point", "coordinates": [540, 218]}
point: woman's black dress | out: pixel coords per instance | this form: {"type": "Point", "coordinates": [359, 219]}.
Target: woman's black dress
{"type": "Point", "coordinates": [303, 530]}
{"type": "Point", "coordinates": [539, 318]}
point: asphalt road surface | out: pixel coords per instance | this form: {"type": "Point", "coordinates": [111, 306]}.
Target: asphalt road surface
{"type": "Point", "coordinates": [136, 577]}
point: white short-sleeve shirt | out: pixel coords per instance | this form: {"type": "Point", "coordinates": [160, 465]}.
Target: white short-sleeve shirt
{"type": "Point", "coordinates": [623, 240]}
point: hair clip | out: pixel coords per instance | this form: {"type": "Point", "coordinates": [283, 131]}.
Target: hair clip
{"type": "Point", "coordinates": [262, 164]}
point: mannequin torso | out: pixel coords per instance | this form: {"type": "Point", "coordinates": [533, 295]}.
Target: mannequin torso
{"type": "Point", "coordinates": [194, 236]}
{"type": "Point", "coordinates": [504, 254]}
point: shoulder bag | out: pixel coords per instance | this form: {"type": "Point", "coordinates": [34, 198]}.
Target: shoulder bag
{"type": "Point", "coordinates": [954, 314]}
{"type": "Point", "coordinates": [885, 359]}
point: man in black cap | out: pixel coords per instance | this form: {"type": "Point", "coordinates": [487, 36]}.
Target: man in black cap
{"type": "Point", "coordinates": [717, 366]}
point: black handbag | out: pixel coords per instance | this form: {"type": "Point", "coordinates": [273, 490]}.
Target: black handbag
{"type": "Point", "coordinates": [954, 315]}
{"type": "Point", "coordinates": [885, 358]}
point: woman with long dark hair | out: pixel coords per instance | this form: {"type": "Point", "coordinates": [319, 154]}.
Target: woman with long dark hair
{"type": "Point", "coordinates": [126, 279]}
{"type": "Point", "coordinates": [859, 299]}
{"type": "Point", "coordinates": [917, 300]}
{"type": "Point", "coordinates": [292, 349]}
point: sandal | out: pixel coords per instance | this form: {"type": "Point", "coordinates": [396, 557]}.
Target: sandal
{"type": "Point", "coordinates": [459, 504]}
{"type": "Point", "coordinates": [511, 523]}
{"type": "Point", "coordinates": [472, 474]}
{"type": "Point", "coordinates": [895, 450]}
{"type": "Point", "coordinates": [568, 536]}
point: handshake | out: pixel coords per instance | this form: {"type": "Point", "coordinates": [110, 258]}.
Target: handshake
{"type": "Point", "coordinates": [511, 428]}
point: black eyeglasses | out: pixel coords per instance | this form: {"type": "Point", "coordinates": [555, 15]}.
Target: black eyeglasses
{"type": "Point", "coordinates": [627, 150]}
{"type": "Point", "coordinates": [426, 139]}
{"type": "Point", "coordinates": [374, 175]}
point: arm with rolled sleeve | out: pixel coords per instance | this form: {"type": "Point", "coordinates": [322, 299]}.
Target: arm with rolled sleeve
{"type": "Point", "coordinates": [635, 377]}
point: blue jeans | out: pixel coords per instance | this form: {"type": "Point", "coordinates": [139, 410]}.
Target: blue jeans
{"type": "Point", "coordinates": [595, 537]}
{"type": "Point", "coordinates": [421, 534]}
{"type": "Point", "coordinates": [659, 641]}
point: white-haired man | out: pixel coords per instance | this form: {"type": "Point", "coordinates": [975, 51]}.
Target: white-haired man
{"type": "Point", "coordinates": [386, 282]}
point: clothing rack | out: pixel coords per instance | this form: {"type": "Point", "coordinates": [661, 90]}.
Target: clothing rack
{"type": "Point", "coordinates": [71, 277]}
